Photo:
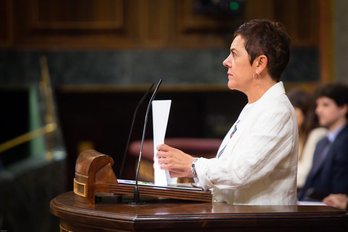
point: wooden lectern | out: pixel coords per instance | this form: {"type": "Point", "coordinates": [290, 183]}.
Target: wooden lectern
{"type": "Point", "coordinates": [94, 175]}
{"type": "Point", "coordinates": [78, 210]}
{"type": "Point", "coordinates": [186, 216]}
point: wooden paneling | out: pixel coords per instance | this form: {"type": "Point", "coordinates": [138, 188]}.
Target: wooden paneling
{"type": "Point", "coordinates": [254, 9]}
{"type": "Point", "coordinates": [326, 43]}
{"type": "Point", "coordinates": [156, 24]}
{"type": "Point", "coordinates": [301, 20]}
{"type": "Point", "coordinates": [76, 24]}
{"type": "Point", "coordinates": [5, 23]}
{"type": "Point", "coordinates": [78, 15]}
{"type": "Point", "coordinates": [155, 16]}
{"type": "Point", "coordinates": [124, 24]}
{"type": "Point", "coordinates": [194, 28]}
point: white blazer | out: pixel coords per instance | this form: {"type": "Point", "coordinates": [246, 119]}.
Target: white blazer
{"type": "Point", "coordinates": [258, 164]}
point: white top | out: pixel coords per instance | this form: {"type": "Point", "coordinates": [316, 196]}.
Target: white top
{"type": "Point", "coordinates": [259, 162]}
{"type": "Point", "coordinates": [306, 158]}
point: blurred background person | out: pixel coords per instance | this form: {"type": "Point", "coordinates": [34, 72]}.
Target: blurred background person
{"type": "Point", "coordinates": [309, 131]}
{"type": "Point", "coordinates": [329, 172]}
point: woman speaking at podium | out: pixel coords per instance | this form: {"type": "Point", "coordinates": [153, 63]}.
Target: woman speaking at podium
{"type": "Point", "coordinates": [256, 162]}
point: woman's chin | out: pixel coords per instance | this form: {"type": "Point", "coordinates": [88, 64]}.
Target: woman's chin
{"type": "Point", "coordinates": [231, 85]}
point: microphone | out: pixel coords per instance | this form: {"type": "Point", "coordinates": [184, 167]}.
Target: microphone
{"type": "Point", "coordinates": [123, 163]}
{"type": "Point", "coordinates": [136, 196]}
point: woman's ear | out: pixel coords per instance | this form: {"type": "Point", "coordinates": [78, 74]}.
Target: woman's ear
{"type": "Point", "coordinates": [261, 63]}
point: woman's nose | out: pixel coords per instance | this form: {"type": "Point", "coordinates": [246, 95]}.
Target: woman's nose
{"type": "Point", "coordinates": [226, 62]}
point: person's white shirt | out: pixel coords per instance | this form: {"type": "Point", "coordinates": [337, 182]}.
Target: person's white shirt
{"type": "Point", "coordinates": [258, 163]}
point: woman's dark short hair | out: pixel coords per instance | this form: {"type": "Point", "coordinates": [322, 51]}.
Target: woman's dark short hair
{"type": "Point", "coordinates": [265, 37]}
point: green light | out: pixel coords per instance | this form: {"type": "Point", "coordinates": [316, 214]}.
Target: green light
{"type": "Point", "coordinates": [234, 5]}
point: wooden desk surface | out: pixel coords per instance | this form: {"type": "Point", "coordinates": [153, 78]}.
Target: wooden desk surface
{"type": "Point", "coordinates": [192, 216]}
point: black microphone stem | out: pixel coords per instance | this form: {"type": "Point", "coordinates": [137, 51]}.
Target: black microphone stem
{"type": "Point", "coordinates": [136, 190]}
{"type": "Point", "coordinates": [120, 174]}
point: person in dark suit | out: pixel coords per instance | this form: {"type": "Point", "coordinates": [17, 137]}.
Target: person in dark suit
{"type": "Point", "coordinates": [329, 172]}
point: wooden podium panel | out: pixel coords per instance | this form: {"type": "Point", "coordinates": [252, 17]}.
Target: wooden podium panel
{"type": "Point", "coordinates": [93, 175]}
{"type": "Point", "coordinates": [174, 215]}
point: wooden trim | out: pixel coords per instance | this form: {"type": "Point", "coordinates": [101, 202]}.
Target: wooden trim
{"type": "Point", "coordinates": [326, 58]}
{"type": "Point", "coordinates": [7, 19]}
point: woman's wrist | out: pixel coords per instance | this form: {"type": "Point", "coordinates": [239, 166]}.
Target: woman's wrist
{"type": "Point", "coordinates": [193, 168]}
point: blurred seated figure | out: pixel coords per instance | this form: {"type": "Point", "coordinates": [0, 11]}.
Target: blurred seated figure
{"type": "Point", "coordinates": [339, 201]}
{"type": "Point", "coordinates": [329, 171]}
{"type": "Point", "coordinates": [309, 131]}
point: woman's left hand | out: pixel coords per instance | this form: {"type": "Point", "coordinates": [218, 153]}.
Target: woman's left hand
{"type": "Point", "coordinates": [175, 161]}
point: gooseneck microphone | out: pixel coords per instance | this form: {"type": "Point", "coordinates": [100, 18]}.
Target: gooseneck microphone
{"type": "Point", "coordinates": [136, 196]}
{"type": "Point", "coordinates": [120, 174]}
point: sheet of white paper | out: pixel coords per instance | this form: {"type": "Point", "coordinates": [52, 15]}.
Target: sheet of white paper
{"type": "Point", "coordinates": [311, 203]}
{"type": "Point", "coordinates": [160, 114]}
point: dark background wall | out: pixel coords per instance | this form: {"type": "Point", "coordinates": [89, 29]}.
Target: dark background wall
{"type": "Point", "coordinates": [174, 66]}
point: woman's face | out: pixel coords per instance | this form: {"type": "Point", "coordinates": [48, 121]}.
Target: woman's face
{"type": "Point", "coordinates": [239, 70]}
